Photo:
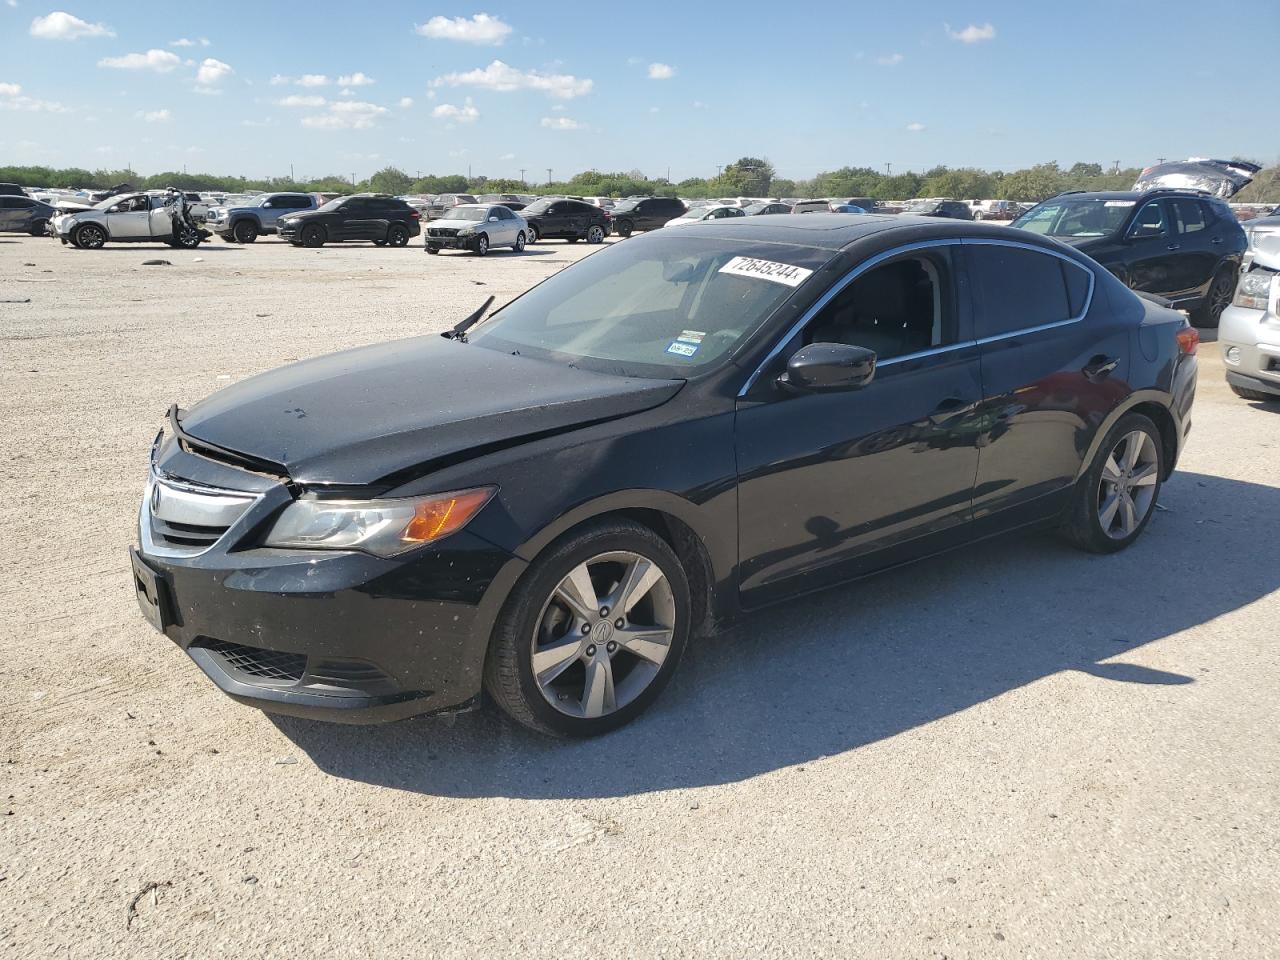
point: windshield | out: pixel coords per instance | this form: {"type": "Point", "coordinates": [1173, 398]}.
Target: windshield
{"type": "Point", "coordinates": [464, 213]}
{"type": "Point", "coordinates": [922, 206]}
{"type": "Point", "coordinates": [1076, 218]}
{"type": "Point", "coordinates": [333, 204]}
{"type": "Point", "coordinates": [660, 306]}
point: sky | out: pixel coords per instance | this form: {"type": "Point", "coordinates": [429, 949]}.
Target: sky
{"type": "Point", "coordinates": [265, 88]}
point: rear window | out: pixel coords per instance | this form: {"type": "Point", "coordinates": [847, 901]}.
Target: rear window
{"type": "Point", "coordinates": [1019, 289]}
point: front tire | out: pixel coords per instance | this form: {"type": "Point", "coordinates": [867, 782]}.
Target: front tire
{"type": "Point", "coordinates": [188, 238]}
{"type": "Point", "coordinates": [246, 231]}
{"type": "Point", "coordinates": [592, 632]}
{"type": "Point", "coordinates": [482, 245]}
{"type": "Point", "coordinates": [313, 236]}
{"type": "Point", "coordinates": [1113, 502]}
{"type": "Point", "coordinates": [1221, 290]}
{"type": "Point", "coordinates": [624, 228]}
{"type": "Point", "coordinates": [90, 236]}
{"type": "Point", "coordinates": [520, 242]}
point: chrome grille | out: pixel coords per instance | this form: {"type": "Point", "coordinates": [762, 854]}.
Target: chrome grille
{"type": "Point", "coordinates": [184, 519]}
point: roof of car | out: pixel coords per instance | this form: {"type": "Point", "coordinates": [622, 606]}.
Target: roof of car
{"type": "Point", "coordinates": [834, 231]}
{"type": "Point", "coordinates": [1131, 194]}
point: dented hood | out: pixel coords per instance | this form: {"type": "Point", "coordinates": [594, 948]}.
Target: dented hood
{"type": "Point", "coordinates": [400, 408]}
{"type": "Point", "coordinates": [1222, 178]}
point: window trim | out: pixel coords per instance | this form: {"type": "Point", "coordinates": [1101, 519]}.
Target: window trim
{"type": "Point", "coordinates": [889, 254]}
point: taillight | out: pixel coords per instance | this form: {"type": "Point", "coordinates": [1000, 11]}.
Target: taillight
{"type": "Point", "coordinates": [414, 215]}
{"type": "Point", "coordinates": [1188, 339]}
{"type": "Point", "coordinates": [606, 214]}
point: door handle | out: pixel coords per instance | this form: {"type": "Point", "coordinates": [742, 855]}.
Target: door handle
{"type": "Point", "coordinates": [1216, 240]}
{"type": "Point", "coordinates": [948, 408]}
{"type": "Point", "coordinates": [1172, 246]}
{"type": "Point", "coordinates": [1100, 367]}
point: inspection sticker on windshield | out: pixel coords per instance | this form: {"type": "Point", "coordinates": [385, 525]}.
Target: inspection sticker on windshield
{"type": "Point", "coordinates": [1119, 203]}
{"type": "Point", "coordinates": [783, 273]}
{"type": "Point", "coordinates": [686, 345]}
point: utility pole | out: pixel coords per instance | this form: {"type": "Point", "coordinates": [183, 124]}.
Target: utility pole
{"type": "Point", "coordinates": [522, 169]}
{"type": "Point", "coordinates": [888, 169]}
{"type": "Point", "coordinates": [291, 180]}
{"type": "Point", "coordinates": [1159, 159]}
{"type": "Point", "coordinates": [548, 176]}
{"type": "Point", "coordinates": [353, 178]}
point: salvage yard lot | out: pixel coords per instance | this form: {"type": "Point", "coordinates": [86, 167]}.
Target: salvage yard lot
{"type": "Point", "coordinates": [1013, 751]}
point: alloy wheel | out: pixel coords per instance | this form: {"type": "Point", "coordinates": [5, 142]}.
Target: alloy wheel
{"type": "Point", "coordinates": [1221, 294]}
{"type": "Point", "coordinates": [520, 242]}
{"type": "Point", "coordinates": [603, 634]}
{"type": "Point", "coordinates": [1126, 490]}
{"type": "Point", "coordinates": [91, 237]}
{"type": "Point", "coordinates": [482, 244]}
{"type": "Point", "coordinates": [595, 235]}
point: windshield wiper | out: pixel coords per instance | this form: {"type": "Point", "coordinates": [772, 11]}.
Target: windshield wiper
{"type": "Point", "coordinates": [459, 332]}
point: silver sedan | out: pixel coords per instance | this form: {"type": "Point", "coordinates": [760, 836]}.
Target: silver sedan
{"type": "Point", "coordinates": [478, 227]}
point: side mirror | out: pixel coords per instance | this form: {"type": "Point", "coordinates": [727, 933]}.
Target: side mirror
{"type": "Point", "coordinates": [828, 366]}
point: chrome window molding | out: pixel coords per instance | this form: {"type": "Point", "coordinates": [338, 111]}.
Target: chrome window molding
{"type": "Point", "coordinates": [880, 258]}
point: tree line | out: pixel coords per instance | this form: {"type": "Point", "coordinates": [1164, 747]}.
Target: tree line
{"type": "Point", "coordinates": [748, 176]}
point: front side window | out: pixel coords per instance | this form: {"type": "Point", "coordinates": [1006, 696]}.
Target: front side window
{"type": "Point", "coordinates": [897, 308]}
{"type": "Point", "coordinates": [1149, 222]}
{"type": "Point", "coordinates": [657, 307]}
{"type": "Point", "coordinates": [1018, 289]}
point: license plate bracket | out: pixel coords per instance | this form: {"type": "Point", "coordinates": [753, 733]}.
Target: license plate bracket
{"type": "Point", "coordinates": [149, 590]}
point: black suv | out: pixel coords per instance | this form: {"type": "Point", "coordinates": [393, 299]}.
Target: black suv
{"type": "Point", "coordinates": [571, 220]}
{"type": "Point", "coordinates": [948, 209]}
{"type": "Point", "coordinates": [378, 217]}
{"type": "Point", "coordinates": [1182, 245]}
{"type": "Point", "coordinates": [649, 213]}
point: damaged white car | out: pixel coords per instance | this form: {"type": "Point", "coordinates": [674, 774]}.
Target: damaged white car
{"type": "Point", "coordinates": [1249, 332]}
{"type": "Point", "coordinates": [155, 216]}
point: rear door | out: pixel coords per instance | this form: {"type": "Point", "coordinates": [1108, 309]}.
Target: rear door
{"type": "Point", "coordinates": [1197, 255]}
{"type": "Point", "coordinates": [9, 214]}
{"type": "Point", "coordinates": [1051, 371]}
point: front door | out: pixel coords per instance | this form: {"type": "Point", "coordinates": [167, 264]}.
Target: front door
{"type": "Point", "coordinates": [357, 221]}
{"type": "Point", "coordinates": [1153, 250]}
{"type": "Point", "coordinates": [130, 218]}
{"type": "Point", "coordinates": [832, 485]}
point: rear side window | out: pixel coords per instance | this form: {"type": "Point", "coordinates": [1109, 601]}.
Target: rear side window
{"type": "Point", "coordinates": [1189, 215]}
{"type": "Point", "coordinates": [1018, 288]}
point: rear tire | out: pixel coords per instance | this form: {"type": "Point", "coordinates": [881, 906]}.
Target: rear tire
{"type": "Point", "coordinates": [188, 238]}
{"type": "Point", "coordinates": [397, 236]}
{"type": "Point", "coordinates": [536, 615]}
{"type": "Point", "coordinates": [572, 239]}
{"type": "Point", "coordinates": [595, 233]}
{"type": "Point", "coordinates": [39, 227]}
{"type": "Point", "coordinates": [246, 231]}
{"type": "Point", "coordinates": [433, 250]}
{"type": "Point", "coordinates": [313, 236]}
{"type": "Point", "coordinates": [379, 243]}
{"type": "Point", "coordinates": [1221, 290]}
{"type": "Point", "coordinates": [1244, 393]}
{"type": "Point", "coordinates": [534, 235]}
{"type": "Point", "coordinates": [1114, 500]}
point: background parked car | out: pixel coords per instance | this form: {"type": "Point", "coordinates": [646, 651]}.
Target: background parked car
{"type": "Point", "coordinates": [477, 227]}
{"type": "Point", "coordinates": [21, 214]}
{"type": "Point", "coordinates": [700, 214]}
{"type": "Point", "coordinates": [939, 207]}
{"type": "Point", "coordinates": [994, 209]}
{"type": "Point", "coordinates": [155, 216]}
{"type": "Point", "coordinates": [11, 190]}
{"type": "Point", "coordinates": [245, 223]}
{"type": "Point", "coordinates": [1184, 246]}
{"type": "Point", "coordinates": [766, 209]}
{"type": "Point", "coordinates": [445, 201]}
{"type": "Point", "coordinates": [379, 218]}
{"type": "Point", "coordinates": [647, 213]}
{"type": "Point", "coordinates": [572, 220]}
{"type": "Point", "coordinates": [508, 200]}
{"type": "Point", "coordinates": [847, 208]}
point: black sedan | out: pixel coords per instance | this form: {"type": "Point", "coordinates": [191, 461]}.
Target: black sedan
{"type": "Point", "coordinates": [378, 218]}
{"type": "Point", "coordinates": [548, 504]}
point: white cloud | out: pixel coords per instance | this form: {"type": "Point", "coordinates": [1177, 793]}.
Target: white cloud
{"type": "Point", "coordinates": [63, 26]}
{"type": "Point", "coordinates": [299, 100]}
{"type": "Point", "coordinates": [653, 110]}
{"type": "Point", "coordinates": [212, 72]}
{"type": "Point", "coordinates": [699, 105]}
{"type": "Point", "coordinates": [12, 3]}
{"type": "Point", "coordinates": [355, 80]}
{"type": "Point", "coordinates": [635, 61]}
{"type": "Point", "coordinates": [12, 98]}
{"type": "Point", "coordinates": [480, 29]}
{"type": "Point", "coordinates": [916, 127]}
{"type": "Point", "coordinates": [313, 80]}
{"type": "Point", "coordinates": [406, 103]}
{"type": "Point", "coordinates": [346, 115]}
{"type": "Point", "coordinates": [467, 113]}
{"type": "Point", "coordinates": [161, 61]}
{"type": "Point", "coordinates": [279, 80]}
{"type": "Point", "coordinates": [661, 71]}
{"type": "Point", "coordinates": [890, 60]}
{"type": "Point", "coordinates": [972, 33]}
{"type": "Point", "coordinates": [560, 123]}
{"type": "Point", "coordinates": [154, 116]}
{"type": "Point", "coordinates": [185, 42]}
{"type": "Point", "coordinates": [503, 78]}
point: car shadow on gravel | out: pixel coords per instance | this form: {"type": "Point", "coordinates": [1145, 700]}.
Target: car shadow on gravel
{"type": "Point", "coordinates": [838, 670]}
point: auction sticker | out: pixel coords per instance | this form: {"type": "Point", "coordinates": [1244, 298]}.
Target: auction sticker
{"type": "Point", "coordinates": [783, 273]}
{"type": "Point", "coordinates": [1119, 203]}
{"type": "Point", "coordinates": [687, 344]}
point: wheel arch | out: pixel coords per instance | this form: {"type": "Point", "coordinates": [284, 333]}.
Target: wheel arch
{"type": "Point", "coordinates": [92, 223]}
{"type": "Point", "coordinates": [673, 518]}
{"type": "Point", "coordinates": [1158, 408]}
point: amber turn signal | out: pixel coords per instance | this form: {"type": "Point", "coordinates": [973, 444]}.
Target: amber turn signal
{"type": "Point", "coordinates": [440, 516]}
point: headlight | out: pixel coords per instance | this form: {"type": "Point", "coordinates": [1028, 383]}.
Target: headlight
{"type": "Point", "coordinates": [467, 231]}
{"type": "Point", "coordinates": [290, 220]}
{"type": "Point", "coordinates": [1255, 289]}
{"type": "Point", "coordinates": [381, 527]}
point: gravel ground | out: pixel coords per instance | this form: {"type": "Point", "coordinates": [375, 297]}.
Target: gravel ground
{"type": "Point", "coordinates": [1018, 751]}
